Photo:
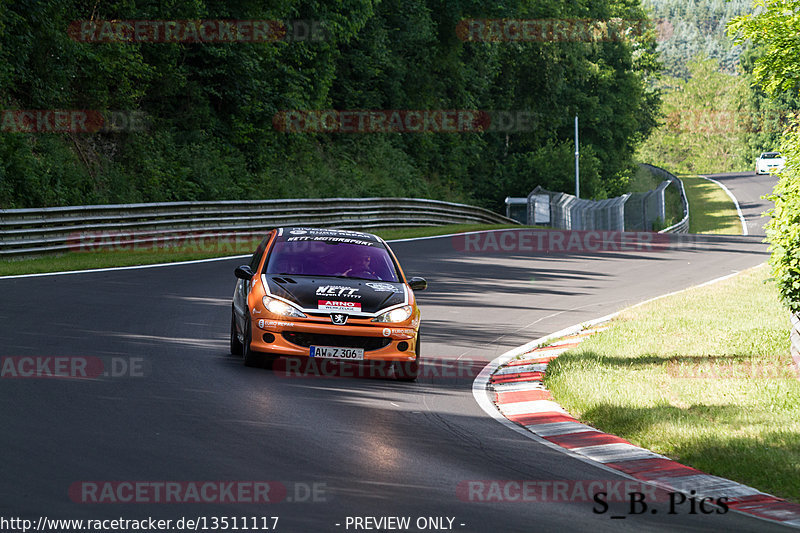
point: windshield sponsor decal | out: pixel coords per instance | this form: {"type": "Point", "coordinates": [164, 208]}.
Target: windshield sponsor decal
{"type": "Point", "coordinates": [317, 232]}
{"type": "Point", "coordinates": [339, 307]}
{"type": "Point", "coordinates": [330, 238]}
{"type": "Point", "coordinates": [338, 291]}
{"type": "Point", "coordinates": [382, 287]}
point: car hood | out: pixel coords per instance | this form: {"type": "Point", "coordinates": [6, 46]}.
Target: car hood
{"type": "Point", "coordinates": [336, 295]}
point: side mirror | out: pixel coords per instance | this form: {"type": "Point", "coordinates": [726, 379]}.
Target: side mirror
{"type": "Point", "coordinates": [418, 284]}
{"type": "Point", "coordinates": [243, 272]}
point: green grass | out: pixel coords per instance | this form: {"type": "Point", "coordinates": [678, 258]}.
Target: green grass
{"type": "Point", "coordinates": [710, 209]}
{"type": "Point", "coordinates": [116, 258]}
{"type": "Point", "coordinates": [704, 377]}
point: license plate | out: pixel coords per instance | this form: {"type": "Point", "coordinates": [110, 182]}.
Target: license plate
{"type": "Point", "coordinates": [335, 352]}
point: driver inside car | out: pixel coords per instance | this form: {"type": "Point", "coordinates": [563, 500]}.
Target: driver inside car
{"type": "Point", "coordinates": [361, 268]}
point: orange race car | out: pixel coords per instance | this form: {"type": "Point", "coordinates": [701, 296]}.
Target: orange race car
{"type": "Point", "coordinates": [326, 294]}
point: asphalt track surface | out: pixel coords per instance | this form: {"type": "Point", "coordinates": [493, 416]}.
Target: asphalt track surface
{"type": "Point", "coordinates": [376, 447]}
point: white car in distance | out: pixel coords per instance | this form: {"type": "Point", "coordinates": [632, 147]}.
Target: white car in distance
{"type": "Point", "coordinates": [769, 162]}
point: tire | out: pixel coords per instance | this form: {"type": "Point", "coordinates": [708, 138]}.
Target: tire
{"type": "Point", "coordinates": [251, 358]}
{"type": "Point", "coordinates": [236, 345]}
{"type": "Point", "coordinates": [408, 370]}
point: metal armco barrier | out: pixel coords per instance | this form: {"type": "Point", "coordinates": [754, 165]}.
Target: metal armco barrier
{"type": "Point", "coordinates": [683, 225]}
{"type": "Point", "coordinates": [57, 229]}
{"type": "Point", "coordinates": [629, 212]}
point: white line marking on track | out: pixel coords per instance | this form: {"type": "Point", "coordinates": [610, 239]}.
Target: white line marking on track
{"type": "Point", "coordinates": [132, 267]}
{"type": "Point", "coordinates": [735, 203]}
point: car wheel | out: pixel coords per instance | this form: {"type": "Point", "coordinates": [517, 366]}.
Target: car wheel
{"type": "Point", "coordinates": [251, 358]}
{"type": "Point", "coordinates": [408, 370]}
{"type": "Point", "coordinates": [236, 344]}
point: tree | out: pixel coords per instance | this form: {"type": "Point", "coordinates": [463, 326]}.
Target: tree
{"type": "Point", "coordinates": [705, 127]}
{"type": "Point", "coordinates": [775, 29]}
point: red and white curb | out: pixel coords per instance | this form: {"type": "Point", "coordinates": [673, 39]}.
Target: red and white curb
{"type": "Point", "coordinates": [518, 397]}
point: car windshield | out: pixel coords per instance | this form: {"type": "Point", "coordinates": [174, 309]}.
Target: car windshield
{"type": "Point", "coordinates": [333, 259]}
{"type": "Point", "coordinates": [771, 155]}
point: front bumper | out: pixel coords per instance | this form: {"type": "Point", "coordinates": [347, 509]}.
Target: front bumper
{"type": "Point", "coordinates": [381, 342]}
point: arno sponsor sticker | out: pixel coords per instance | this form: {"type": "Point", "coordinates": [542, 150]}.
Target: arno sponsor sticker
{"type": "Point", "coordinates": [339, 306]}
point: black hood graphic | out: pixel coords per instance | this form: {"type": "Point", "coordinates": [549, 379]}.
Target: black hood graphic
{"type": "Point", "coordinates": [336, 294]}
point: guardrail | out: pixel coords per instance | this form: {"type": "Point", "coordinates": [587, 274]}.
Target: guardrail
{"type": "Point", "coordinates": [59, 229]}
{"type": "Point", "coordinates": [629, 212]}
{"type": "Point", "coordinates": [683, 225]}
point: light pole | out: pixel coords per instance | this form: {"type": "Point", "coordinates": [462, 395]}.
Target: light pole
{"type": "Point", "coordinates": [577, 154]}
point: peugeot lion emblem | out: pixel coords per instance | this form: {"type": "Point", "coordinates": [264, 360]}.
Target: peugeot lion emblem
{"type": "Point", "coordinates": [339, 319]}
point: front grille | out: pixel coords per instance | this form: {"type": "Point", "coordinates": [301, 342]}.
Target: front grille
{"type": "Point", "coordinates": [344, 341]}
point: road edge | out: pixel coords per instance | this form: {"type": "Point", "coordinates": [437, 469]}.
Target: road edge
{"type": "Point", "coordinates": [739, 213]}
{"type": "Point", "coordinates": [510, 390]}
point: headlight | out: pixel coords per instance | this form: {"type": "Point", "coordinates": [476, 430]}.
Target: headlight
{"type": "Point", "coordinates": [281, 308]}
{"type": "Point", "coordinates": [401, 314]}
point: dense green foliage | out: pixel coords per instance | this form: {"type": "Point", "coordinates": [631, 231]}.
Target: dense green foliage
{"type": "Point", "coordinates": [768, 114]}
{"type": "Point", "coordinates": [695, 28]}
{"type": "Point", "coordinates": [716, 115]}
{"type": "Point", "coordinates": [210, 107]}
{"type": "Point", "coordinates": [706, 128]}
{"type": "Point", "coordinates": [777, 69]}
{"type": "Point", "coordinates": [783, 230]}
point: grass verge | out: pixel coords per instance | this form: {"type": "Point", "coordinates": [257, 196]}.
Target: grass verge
{"type": "Point", "coordinates": [192, 251]}
{"type": "Point", "coordinates": [704, 377]}
{"type": "Point", "coordinates": [710, 209]}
